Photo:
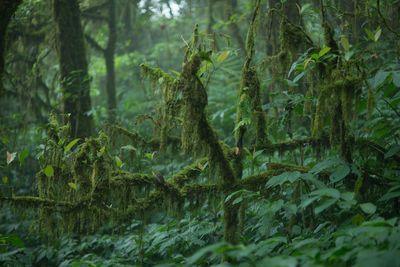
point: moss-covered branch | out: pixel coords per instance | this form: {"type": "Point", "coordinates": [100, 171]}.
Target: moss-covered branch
{"type": "Point", "coordinates": [36, 202]}
{"type": "Point", "coordinates": [294, 144]}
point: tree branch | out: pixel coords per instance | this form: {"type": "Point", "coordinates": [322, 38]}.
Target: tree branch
{"type": "Point", "coordinates": [94, 44]}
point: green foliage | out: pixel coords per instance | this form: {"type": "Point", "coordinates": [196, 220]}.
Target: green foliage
{"type": "Point", "coordinates": [292, 158]}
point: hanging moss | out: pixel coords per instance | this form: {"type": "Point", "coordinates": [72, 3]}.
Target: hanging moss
{"type": "Point", "coordinates": [123, 179]}
{"type": "Point", "coordinates": [135, 139]}
{"type": "Point", "coordinates": [171, 105]}
{"type": "Point", "coordinates": [157, 76]}
{"type": "Point", "coordinates": [250, 116]}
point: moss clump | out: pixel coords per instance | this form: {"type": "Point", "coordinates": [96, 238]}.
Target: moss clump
{"type": "Point", "coordinates": [189, 173]}
{"type": "Point", "coordinates": [284, 167]}
{"type": "Point", "coordinates": [92, 168]}
{"type": "Point", "coordinates": [123, 179]}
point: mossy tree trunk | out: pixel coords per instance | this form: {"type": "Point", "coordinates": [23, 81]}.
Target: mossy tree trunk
{"type": "Point", "coordinates": [73, 66]}
{"type": "Point", "coordinates": [7, 9]}
{"type": "Point", "coordinates": [290, 9]}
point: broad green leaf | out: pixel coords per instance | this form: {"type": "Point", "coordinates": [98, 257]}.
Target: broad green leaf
{"type": "Point", "coordinates": [239, 192]}
{"type": "Point", "coordinates": [129, 147]}
{"type": "Point", "coordinates": [73, 186]}
{"type": "Point", "coordinates": [11, 157]}
{"type": "Point", "coordinates": [326, 164]}
{"type": "Point", "coordinates": [222, 56]}
{"type": "Point", "coordinates": [289, 82]}
{"type": "Point", "coordinates": [149, 155]}
{"type": "Point", "coordinates": [339, 173]}
{"type": "Point", "coordinates": [379, 222]}
{"type": "Point", "coordinates": [293, 176]}
{"type": "Point", "coordinates": [71, 144]}
{"type": "Point", "coordinates": [347, 196]}
{"type": "Point", "coordinates": [282, 178]}
{"type": "Point", "coordinates": [345, 43]}
{"type": "Point", "coordinates": [119, 161]}
{"type": "Point", "coordinates": [281, 261]}
{"type": "Point", "coordinates": [60, 142]}
{"type": "Point", "coordinates": [322, 225]}
{"type": "Point", "coordinates": [49, 171]}
{"type": "Point", "coordinates": [293, 67]}
{"type": "Point", "coordinates": [377, 34]}
{"type": "Point", "coordinates": [370, 34]}
{"type": "Point", "coordinates": [5, 179]}
{"type": "Point", "coordinates": [243, 122]}
{"type": "Point", "coordinates": [192, 260]}
{"type": "Point", "coordinates": [390, 195]}
{"type": "Point", "coordinates": [306, 62]}
{"type": "Point", "coordinates": [379, 78]}
{"type": "Point", "coordinates": [237, 200]}
{"type": "Point", "coordinates": [396, 78]}
{"type": "Point", "coordinates": [23, 156]}
{"type": "Point", "coordinates": [298, 77]}
{"type": "Point", "coordinates": [12, 240]}
{"type": "Point", "coordinates": [257, 153]}
{"type": "Point", "coordinates": [324, 51]}
{"type": "Point", "coordinates": [368, 208]}
{"type": "Point", "coordinates": [304, 8]}
{"type": "Point", "coordinates": [324, 205]}
{"type": "Point", "coordinates": [328, 192]}
{"type": "Point", "coordinates": [309, 177]}
{"type": "Point", "coordinates": [348, 55]}
{"type": "Point", "coordinates": [304, 243]}
{"type": "Point", "coordinates": [291, 208]}
{"type": "Point", "coordinates": [392, 151]}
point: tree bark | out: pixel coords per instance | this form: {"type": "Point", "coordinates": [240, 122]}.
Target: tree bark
{"type": "Point", "coordinates": [73, 66]}
{"type": "Point", "coordinates": [109, 58]}
{"type": "Point", "coordinates": [230, 6]}
{"type": "Point", "coordinates": [7, 9]}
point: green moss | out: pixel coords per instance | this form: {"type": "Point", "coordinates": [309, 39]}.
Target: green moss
{"type": "Point", "coordinates": [189, 173]}
{"type": "Point", "coordinates": [121, 179]}
{"type": "Point", "coordinates": [284, 167]}
{"type": "Point", "coordinates": [157, 76]}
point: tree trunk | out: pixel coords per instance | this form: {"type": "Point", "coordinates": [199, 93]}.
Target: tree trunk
{"type": "Point", "coordinates": [7, 9]}
{"type": "Point", "coordinates": [73, 66]}
{"type": "Point", "coordinates": [230, 6]}
{"type": "Point", "coordinates": [109, 58]}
